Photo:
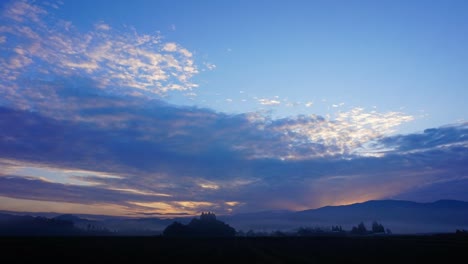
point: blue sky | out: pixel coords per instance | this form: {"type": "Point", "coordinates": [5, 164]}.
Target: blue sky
{"type": "Point", "coordinates": [179, 106]}
{"type": "Point", "coordinates": [393, 55]}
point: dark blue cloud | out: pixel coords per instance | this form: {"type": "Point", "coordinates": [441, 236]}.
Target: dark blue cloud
{"type": "Point", "coordinates": [36, 189]}
{"type": "Point", "coordinates": [430, 138]}
{"type": "Point", "coordinates": [196, 154]}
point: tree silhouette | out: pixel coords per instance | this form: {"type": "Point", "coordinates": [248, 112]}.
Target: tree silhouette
{"type": "Point", "coordinates": [360, 229]}
{"type": "Point", "coordinates": [206, 226]}
{"type": "Point", "coordinates": [377, 228]}
{"type": "Point", "coordinates": [337, 229]}
{"type": "Point", "coordinates": [176, 229]}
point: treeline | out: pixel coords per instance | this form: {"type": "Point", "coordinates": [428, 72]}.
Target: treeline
{"type": "Point", "coordinates": [360, 229]}
{"type": "Point", "coordinates": [14, 225]}
{"type": "Point", "coordinates": [376, 229]}
{"type": "Point", "coordinates": [28, 225]}
{"type": "Point", "coordinates": [206, 226]}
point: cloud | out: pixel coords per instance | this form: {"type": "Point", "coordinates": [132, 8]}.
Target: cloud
{"type": "Point", "coordinates": [133, 151]}
{"type": "Point", "coordinates": [337, 105]}
{"type": "Point", "coordinates": [102, 26]}
{"type": "Point", "coordinates": [21, 11]}
{"type": "Point", "coordinates": [209, 66]}
{"type": "Point", "coordinates": [171, 47]}
{"type": "Point", "coordinates": [25, 205]}
{"type": "Point", "coordinates": [251, 135]}
{"type": "Point", "coordinates": [453, 189]}
{"type": "Point", "coordinates": [265, 101]}
{"type": "Point", "coordinates": [67, 128]}
{"type": "Point", "coordinates": [43, 46]}
{"type": "Point", "coordinates": [430, 139]}
{"type": "Point", "coordinates": [343, 135]}
{"type": "Point", "coordinates": [47, 173]}
{"type": "Point", "coordinates": [77, 129]}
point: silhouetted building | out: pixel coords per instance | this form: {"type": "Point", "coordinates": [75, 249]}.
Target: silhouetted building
{"type": "Point", "coordinates": [207, 216]}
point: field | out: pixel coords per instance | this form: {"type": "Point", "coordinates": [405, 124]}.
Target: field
{"type": "Point", "coordinates": [390, 249]}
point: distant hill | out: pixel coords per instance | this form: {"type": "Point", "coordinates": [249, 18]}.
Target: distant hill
{"type": "Point", "coordinates": [90, 224]}
{"type": "Point", "coordinates": [440, 212]}
{"type": "Point", "coordinates": [399, 216]}
{"type": "Point", "coordinates": [16, 225]}
{"type": "Point", "coordinates": [70, 217]}
{"type": "Point", "coordinates": [119, 226]}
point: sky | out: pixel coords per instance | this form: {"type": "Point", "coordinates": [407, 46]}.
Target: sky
{"type": "Point", "coordinates": [169, 108]}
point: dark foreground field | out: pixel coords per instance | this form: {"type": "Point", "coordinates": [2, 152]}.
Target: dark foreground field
{"type": "Point", "coordinates": [393, 249]}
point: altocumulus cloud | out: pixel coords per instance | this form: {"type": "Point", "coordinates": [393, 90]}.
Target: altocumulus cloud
{"type": "Point", "coordinates": [78, 127]}
{"type": "Point", "coordinates": [37, 44]}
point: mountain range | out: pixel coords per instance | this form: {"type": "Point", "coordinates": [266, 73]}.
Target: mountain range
{"type": "Point", "coordinates": [401, 217]}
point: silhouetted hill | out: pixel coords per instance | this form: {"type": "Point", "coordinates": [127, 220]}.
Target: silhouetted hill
{"type": "Point", "coordinates": [70, 217]}
{"type": "Point", "coordinates": [206, 226]}
{"type": "Point", "coordinates": [96, 224]}
{"type": "Point", "coordinates": [399, 216]}
{"type": "Point", "coordinates": [14, 225]}
{"type": "Point", "coordinates": [444, 212]}
{"type": "Point", "coordinates": [120, 226]}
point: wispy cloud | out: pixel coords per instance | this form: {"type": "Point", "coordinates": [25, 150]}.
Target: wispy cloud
{"type": "Point", "coordinates": [51, 174]}
{"type": "Point", "coordinates": [209, 66]}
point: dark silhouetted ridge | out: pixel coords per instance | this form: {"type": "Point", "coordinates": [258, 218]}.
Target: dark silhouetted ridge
{"type": "Point", "coordinates": [206, 226]}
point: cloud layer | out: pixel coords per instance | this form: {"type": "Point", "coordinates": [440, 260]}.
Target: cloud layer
{"type": "Point", "coordinates": [148, 156]}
